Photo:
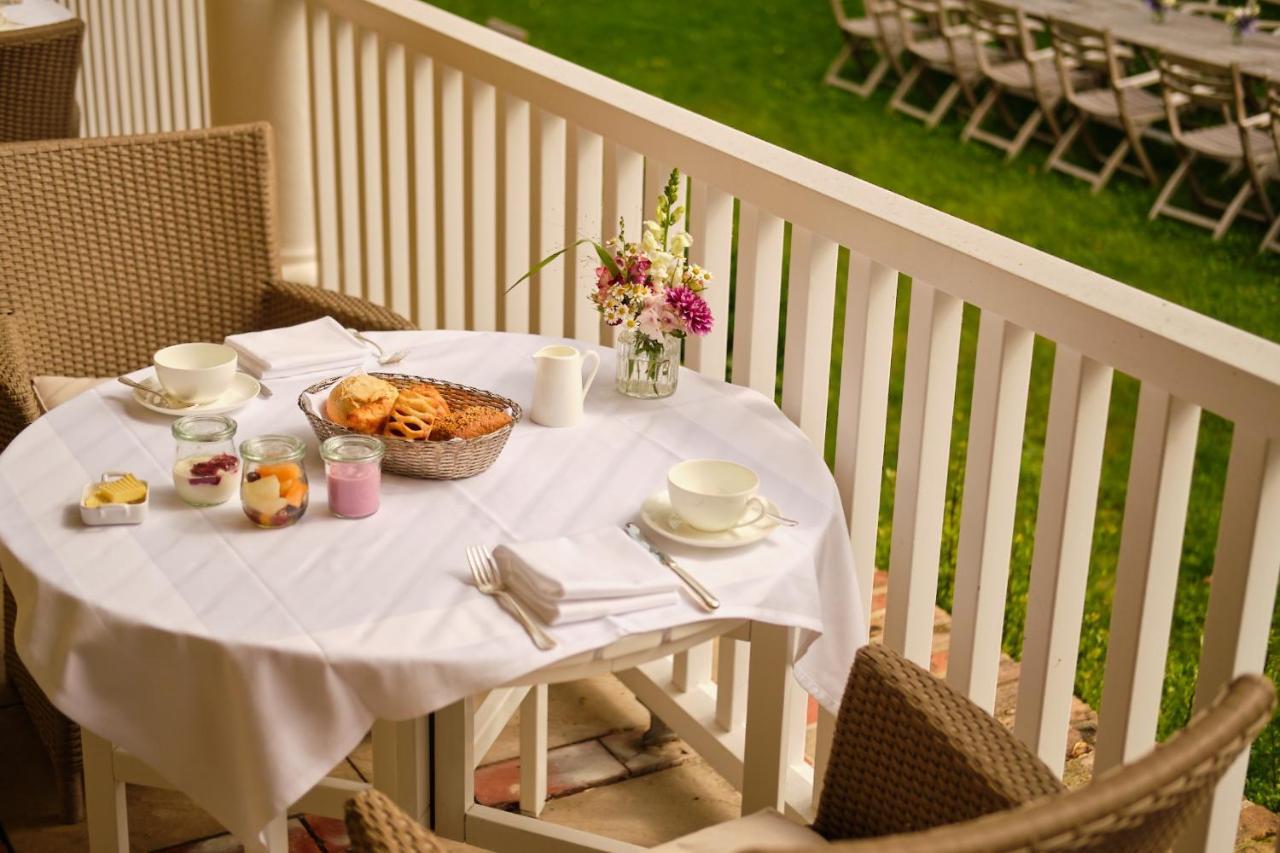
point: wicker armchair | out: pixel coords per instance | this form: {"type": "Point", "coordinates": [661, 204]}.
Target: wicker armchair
{"type": "Point", "coordinates": [115, 247]}
{"type": "Point", "coordinates": [38, 69]}
{"type": "Point", "coordinates": [916, 767]}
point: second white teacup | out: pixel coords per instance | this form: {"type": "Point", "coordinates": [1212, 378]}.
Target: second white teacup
{"type": "Point", "coordinates": [196, 372]}
{"type": "Point", "coordinates": [714, 495]}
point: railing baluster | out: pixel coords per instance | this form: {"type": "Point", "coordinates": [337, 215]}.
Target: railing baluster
{"type": "Point", "coordinates": [623, 199]}
{"type": "Point", "coordinates": [518, 197]}
{"type": "Point", "coordinates": [133, 53]}
{"type": "Point", "coordinates": [347, 120]}
{"type": "Point", "coordinates": [324, 157]}
{"type": "Point", "coordinates": [397, 143]}
{"type": "Point", "coordinates": [192, 14]}
{"type": "Point", "coordinates": [1002, 376]}
{"type": "Point", "coordinates": [423, 202]}
{"type": "Point", "coordinates": [755, 330]}
{"type": "Point", "coordinates": [924, 442]}
{"type": "Point", "coordinates": [202, 61]}
{"type": "Point", "coordinates": [145, 38]}
{"type": "Point", "coordinates": [110, 67]}
{"type": "Point", "coordinates": [691, 668]}
{"type": "Point", "coordinates": [588, 162]}
{"type": "Point", "coordinates": [375, 280]}
{"type": "Point", "coordinates": [164, 63]}
{"type": "Point", "coordinates": [1155, 513]}
{"type": "Point", "coordinates": [731, 683]}
{"type": "Point", "coordinates": [711, 224]}
{"type": "Point", "coordinates": [452, 198]}
{"type": "Point", "coordinates": [1068, 499]}
{"type": "Point", "coordinates": [483, 278]}
{"type": "Point", "coordinates": [864, 406]}
{"type": "Point", "coordinates": [1242, 599]}
{"type": "Point", "coordinates": [119, 40]}
{"type": "Point", "coordinates": [177, 64]}
{"type": "Point", "coordinates": [811, 305]}
{"type": "Point", "coordinates": [551, 222]}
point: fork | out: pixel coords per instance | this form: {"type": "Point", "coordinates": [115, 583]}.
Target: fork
{"type": "Point", "coordinates": [489, 581]}
{"type": "Point", "coordinates": [384, 358]}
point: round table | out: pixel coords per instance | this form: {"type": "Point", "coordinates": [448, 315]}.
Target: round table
{"type": "Point", "coordinates": [201, 645]}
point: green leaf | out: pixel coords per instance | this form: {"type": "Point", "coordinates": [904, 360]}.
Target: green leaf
{"type": "Point", "coordinates": [605, 258]}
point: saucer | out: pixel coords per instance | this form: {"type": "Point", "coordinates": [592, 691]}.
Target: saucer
{"type": "Point", "coordinates": [656, 513]}
{"type": "Point", "coordinates": [243, 389]}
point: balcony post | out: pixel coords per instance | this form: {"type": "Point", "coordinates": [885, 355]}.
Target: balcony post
{"type": "Point", "coordinates": [258, 66]}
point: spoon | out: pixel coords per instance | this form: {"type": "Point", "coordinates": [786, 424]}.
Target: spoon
{"type": "Point", "coordinates": [167, 400]}
{"type": "Point", "coordinates": [384, 358]}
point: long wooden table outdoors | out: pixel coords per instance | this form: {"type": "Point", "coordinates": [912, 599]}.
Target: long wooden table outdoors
{"type": "Point", "coordinates": [1193, 36]}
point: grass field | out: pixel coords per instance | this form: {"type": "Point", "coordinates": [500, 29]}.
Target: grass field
{"type": "Point", "coordinates": [758, 66]}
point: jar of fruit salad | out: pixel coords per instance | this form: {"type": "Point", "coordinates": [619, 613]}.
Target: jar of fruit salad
{"type": "Point", "coordinates": [353, 473]}
{"type": "Point", "coordinates": [274, 489]}
{"type": "Point", "coordinates": [206, 470]}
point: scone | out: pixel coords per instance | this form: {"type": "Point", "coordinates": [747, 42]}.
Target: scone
{"type": "Point", "coordinates": [471, 422]}
{"type": "Point", "coordinates": [362, 403]}
{"type": "Point", "coordinates": [415, 411]}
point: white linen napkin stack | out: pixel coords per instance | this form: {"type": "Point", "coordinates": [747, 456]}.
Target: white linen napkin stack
{"type": "Point", "coordinates": [313, 347]}
{"type": "Point", "coordinates": [587, 576]}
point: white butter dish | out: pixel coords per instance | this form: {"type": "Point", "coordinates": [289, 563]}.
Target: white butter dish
{"type": "Point", "coordinates": [96, 516]}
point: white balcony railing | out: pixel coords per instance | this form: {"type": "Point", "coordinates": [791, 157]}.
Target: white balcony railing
{"type": "Point", "coordinates": [425, 161]}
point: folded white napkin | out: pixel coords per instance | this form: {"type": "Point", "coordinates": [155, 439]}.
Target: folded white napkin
{"type": "Point", "coordinates": [575, 578]}
{"type": "Point", "coordinates": [320, 345]}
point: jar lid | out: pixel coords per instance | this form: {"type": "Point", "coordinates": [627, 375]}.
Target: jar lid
{"type": "Point", "coordinates": [204, 428]}
{"type": "Point", "coordinates": [273, 448]}
{"type": "Point", "coordinates": [352, 448]}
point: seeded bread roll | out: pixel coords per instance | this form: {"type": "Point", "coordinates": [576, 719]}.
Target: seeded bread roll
{"type": "Point", "coordinates": [471, 422]}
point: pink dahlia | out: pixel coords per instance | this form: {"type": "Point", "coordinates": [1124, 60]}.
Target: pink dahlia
{"type": "Point", "coordinates": [692, 309]}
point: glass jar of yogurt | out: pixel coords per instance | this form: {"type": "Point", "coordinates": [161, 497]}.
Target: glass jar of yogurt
{"type": "Point", "coordinates": [353, 474]}
{"type": "Point", "coordinates": [206, 470]}
{"type": "Point", "coordinates": [274, 489]}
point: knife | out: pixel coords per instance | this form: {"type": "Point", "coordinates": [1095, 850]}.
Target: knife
{"type": "Point", "coordinates": [704, 596]}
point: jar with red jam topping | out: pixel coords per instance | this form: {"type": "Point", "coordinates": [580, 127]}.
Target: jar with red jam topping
{"type": "Point", "coordinates": [206, 469]}
{"type": "Point", "coordinates": [274, 489]}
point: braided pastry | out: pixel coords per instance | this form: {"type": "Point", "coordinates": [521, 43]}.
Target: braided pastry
{"type": "Point", "coordinates": [414, 412]}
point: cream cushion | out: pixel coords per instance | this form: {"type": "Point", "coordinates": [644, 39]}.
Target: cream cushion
{"type": "Point", "coordinates": [764, 830]}
{"type": "Point", "coordinates": [53, 391]}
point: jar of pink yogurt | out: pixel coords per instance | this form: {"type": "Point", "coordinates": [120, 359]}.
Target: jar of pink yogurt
{"type": "Point", "coordinates": [353, 474]}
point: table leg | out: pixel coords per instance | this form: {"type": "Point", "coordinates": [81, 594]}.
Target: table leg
{"type": "Point", "coordinates": [455, 768]}
{"type": "Point", "coordinates": [766, 759]}
{"type": "Point", "coordinates": [278, 834]}
{"type": "Point", "coordinates": [106, 812]}
{"type": "Point", "coordinates": [400, 765]}
{"type": "Point", "coordinates": [533, 751]}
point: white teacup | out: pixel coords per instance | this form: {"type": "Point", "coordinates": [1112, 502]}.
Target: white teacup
{"type": "Point", "coordinates": [196, 372]}
{"type": "Point", "coordinates": [714, 495]}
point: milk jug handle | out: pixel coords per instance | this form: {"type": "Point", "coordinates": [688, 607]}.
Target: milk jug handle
{"type": "Point", "coordinates": [594, 358]}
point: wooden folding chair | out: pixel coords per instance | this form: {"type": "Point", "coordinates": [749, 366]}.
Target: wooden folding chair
{"type": "Point", "coordinates": [1123, 101]}
{"type": "Point", "coordinates": [877, 33]}
{"type": "Point", "coordinates": [935, 33]}
{"type": "Point", "coordinates": [1240, 142]}
{"type": "Point", "coordinates": [1028, 74]}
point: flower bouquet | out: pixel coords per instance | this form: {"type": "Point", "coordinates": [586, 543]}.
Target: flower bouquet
{"type": "Point", "coordinates": [1243, 20]}
{"type": "Point", "coordinates": [652, 294]}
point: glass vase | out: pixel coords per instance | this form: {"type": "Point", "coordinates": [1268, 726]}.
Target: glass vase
{"type": "Point", "coordinates": [647, 369]}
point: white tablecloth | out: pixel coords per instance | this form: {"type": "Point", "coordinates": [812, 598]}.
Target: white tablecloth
{"type": "Point", "coordinates": [33, 13]}
{"type": "Point", "coordinates": [243, 664]}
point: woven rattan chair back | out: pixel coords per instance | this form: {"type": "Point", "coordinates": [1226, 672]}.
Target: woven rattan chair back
{"type": "Point", "coordinates": [911, 753]}
{"type": "Point", "coordinates": [1142, 807]}
{"type": "Point", "coordinates": [38, 69]}
{"type": "Point", "coordinates": [123, 245]}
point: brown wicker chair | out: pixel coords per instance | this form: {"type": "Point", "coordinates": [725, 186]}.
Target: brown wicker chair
{"type": "Point", "coordinates": [916, 767]}
{"type": "Point", "coordinates": [115, 247]}
{"type": "Point", "coordinates": [38, 69]}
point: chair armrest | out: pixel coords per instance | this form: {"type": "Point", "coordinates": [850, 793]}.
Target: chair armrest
{"type": "Point", "coordinates": [288, 303]}
{"type": "Point", "coordinates": [377, 825]}
{"type": "Point", "coordinates": [1259, 120]}
{"type": "Point", "coordinates": [18, 405]}
{"type": "Point", "coordinates": [1041, 55]}
{"type": "Point", "coordinates": [1139, 81]}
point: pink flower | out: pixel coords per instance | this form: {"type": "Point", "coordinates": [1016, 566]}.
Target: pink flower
{"type": "Point", "coordinates": [650, 321]}
{"type": "Point", "coordinates": [603, 279]}
{"type": "Point", "coordinates": [692, 310]}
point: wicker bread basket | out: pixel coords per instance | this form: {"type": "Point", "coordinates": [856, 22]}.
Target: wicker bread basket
{"type": "Point", "coordinates": [428, 460]}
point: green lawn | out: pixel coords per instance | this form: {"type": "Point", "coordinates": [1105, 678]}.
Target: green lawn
{"type": "Point", "coordinates": [758, 67]}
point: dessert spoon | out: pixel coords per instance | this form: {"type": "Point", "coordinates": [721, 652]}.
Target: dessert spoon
{"type": "Point", "coordinates": [167, 400]}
